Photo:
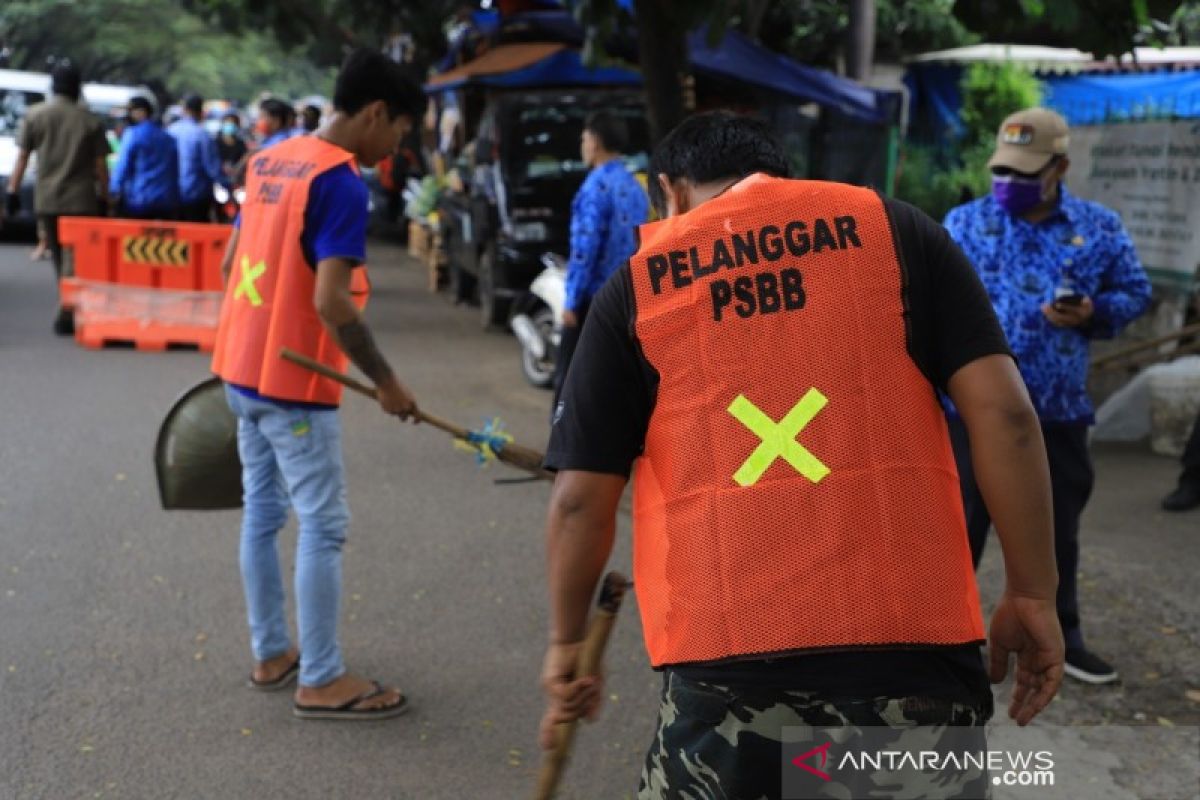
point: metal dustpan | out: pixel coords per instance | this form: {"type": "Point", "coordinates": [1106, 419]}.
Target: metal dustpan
{"type": "Point", "coordinates": [196, 457]}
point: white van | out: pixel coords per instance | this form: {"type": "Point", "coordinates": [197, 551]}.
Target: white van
{"type": "Point", "coordinates": [18, 91]}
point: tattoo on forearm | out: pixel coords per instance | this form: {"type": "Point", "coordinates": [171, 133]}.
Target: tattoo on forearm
{"type": "Point", "coordinates": [359, 344]}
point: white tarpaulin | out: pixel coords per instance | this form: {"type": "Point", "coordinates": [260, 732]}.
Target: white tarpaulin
{"type": "Point", "coordinates": [1149, 172]}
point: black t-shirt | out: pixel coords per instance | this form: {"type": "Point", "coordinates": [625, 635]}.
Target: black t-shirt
{"type": "Point", "coordinates": [601, 420]}
{"type": "Point", "coordinates": [230, 152]}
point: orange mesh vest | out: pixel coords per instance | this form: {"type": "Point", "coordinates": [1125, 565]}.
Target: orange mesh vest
{"type": "Point", "coordinates": [797, 488]}
{"type": "Point", "coordinates": [268, 302]}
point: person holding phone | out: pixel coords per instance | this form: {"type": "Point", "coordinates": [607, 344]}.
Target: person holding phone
{"type": "Point", "coordinates": [1060, 272]}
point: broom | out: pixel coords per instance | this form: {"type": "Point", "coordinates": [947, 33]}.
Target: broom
{"type": "Point", "coordinates": [612, 591]}
{"type": "Point", "coordinates": [510, 453]}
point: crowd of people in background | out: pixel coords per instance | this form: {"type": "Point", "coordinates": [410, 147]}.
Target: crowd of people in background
{"type": "Point", "coordinates": [152, 165]}
{"type": "Point", "coordinates": [157, 164]}
{"type": "Point", "coordinates": [170, 173]}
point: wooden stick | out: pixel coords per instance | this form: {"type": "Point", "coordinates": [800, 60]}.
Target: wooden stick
{"type": "Point", "coordinates": [516, 455]}
{"type": "Point", "coordinates": [590, 655]}
{"type": "Point", "coordinates": [1124, 352]}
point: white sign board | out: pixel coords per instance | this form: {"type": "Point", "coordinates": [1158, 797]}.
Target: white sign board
{"type": "Point", "coordinates": [1148, 172]}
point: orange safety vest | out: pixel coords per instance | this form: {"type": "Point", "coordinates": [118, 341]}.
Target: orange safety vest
{"type": "Point", "coordinates": [797, 488]}
{"type": "Point", "coordinates": [268, 303]}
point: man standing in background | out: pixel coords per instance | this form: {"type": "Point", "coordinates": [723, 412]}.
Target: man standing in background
{"type": "Point", "coordinates": [72, 176]}
{"type": "Point", "coordinates": [199, 164]}
{"type": "Point", "coordinates": [276, 122]}
{"type": "Point", "coordinates": [145, 182]}
{"type": "Point", "coordinates": [604, 218]}
{"type": "Point", "coordinates": [1060, 272]}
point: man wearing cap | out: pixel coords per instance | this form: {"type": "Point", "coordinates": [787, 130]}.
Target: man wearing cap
{"type": "Point", "coordinates": [1060, 272]}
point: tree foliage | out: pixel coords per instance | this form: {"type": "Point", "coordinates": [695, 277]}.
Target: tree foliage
{"type": "Point", "coordinates": [814, 31]}
{"type": "Point", "coordinates": [156, 42]}
{"type": "Point", "coordinates": [990, 93]}
{"type": "Point", "coordinates": [1101, 27]}
{"type": "Point", "coordinates": [325, 30]}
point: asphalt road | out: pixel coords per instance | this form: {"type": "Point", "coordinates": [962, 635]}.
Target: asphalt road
{"type": "Point", "coordinates": [123, 648]}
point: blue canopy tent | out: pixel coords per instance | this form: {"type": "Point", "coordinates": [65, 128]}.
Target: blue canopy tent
{"type": "Point", "coordinates": [1093, 99]}
{"type": "Point", "coordinates": [734, 58]}
{"type": "Point", "coordinates": [516, 66]}
{"type": "Point", "coordinates": [854, 151]}
{"type": "Point", "coordinates": [739, 59]}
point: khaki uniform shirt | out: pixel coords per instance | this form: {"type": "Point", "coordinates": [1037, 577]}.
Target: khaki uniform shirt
{"type": "Point", "coordinates": [67, 139]}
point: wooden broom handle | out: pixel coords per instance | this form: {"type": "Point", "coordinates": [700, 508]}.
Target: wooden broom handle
{"type": "Point", "coordinates": [367, 391]}
{"type": "Point", "coordinates": [591, 654]}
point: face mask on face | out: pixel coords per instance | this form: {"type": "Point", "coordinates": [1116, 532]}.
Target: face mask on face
{"type": "Point", "coordinates": [1016, 195]}
{"type": "Point", "coordinates": [228, 129]}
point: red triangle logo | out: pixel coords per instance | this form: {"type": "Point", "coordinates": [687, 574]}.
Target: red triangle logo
{"type": "Point", "coordinates": [823, 752]}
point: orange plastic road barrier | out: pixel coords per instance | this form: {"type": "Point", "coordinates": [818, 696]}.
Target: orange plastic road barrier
{"type": "Point", "coordinates": [154, 284]}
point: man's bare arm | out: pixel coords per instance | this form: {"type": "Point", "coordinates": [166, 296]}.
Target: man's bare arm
{"type": "Point", "coordinates": [341, 316]}
{"type": "Point", "coordinates": [18, 173]}
{"type": "Point", "coordinates": [227, 259]}
{"type": "Point", "coordinates": [1009, 458]}
{"type": "Point", "coordinates": [335, 305]}
{"type": "Point", "coordinates": [580, 526]}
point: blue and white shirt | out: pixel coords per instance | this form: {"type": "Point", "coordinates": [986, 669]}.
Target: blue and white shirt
{"type": "Point", "coordinates": [1082, 245]}
{"type": "Point", "coordinates": [605, 214]}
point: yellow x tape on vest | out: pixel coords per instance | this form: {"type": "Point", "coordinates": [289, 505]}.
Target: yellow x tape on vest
{"type": "Point", "coordinates": [779, 439]}
{"type": "Point", "coordinates": [246, 287]}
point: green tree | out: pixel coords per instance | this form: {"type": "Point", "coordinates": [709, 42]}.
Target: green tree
{"type": "Point", "coordinates": [326, 30]}
{"type": "Point", "coordinates": [157, 42]}
{"type": "Point", "coordinates": [990, 93]}
{"type": "Point", "coordinates": [814, 31]}
{"type": "Point", "coordinates": [1101, 27]}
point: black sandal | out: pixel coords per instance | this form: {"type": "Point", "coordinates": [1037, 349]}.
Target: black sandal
{"type": "Point", "coordinates": [347, 710]}
{"type": "Point", "coordinates": [285, 679]}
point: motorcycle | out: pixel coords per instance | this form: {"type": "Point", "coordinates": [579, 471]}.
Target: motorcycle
{"type": "Point", "coordinates": [537, 322]}
{"type": "Point", "coordinates": [228, 201]}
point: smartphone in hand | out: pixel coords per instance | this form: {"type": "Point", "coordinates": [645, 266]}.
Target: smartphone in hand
{"type": "Point", "coordinates": [1066, 298]}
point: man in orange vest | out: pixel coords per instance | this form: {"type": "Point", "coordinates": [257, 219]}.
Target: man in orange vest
{"type": "Point", "coordinates": [295, 278]}
{"type": "Point", "coordinates": [768, 367]}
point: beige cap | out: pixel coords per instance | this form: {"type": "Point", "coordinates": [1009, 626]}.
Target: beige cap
{"type": "Point", "coordinates": [1028, 139]}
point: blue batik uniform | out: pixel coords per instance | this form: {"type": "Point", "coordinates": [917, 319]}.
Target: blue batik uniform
{"type": "Point", "coordinates": [1081, 245]}
{"type": "Point", "coordinates": [605, 214]}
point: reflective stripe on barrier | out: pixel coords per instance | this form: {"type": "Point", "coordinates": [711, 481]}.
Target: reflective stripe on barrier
{"type": "Point", "coordinates": [128, 279]}
{"type": "Point", "coordinates": [153, 319]}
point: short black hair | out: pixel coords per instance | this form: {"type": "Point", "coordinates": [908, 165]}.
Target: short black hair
{"type": "Point", "coordinates": [141, 103]}
{"type": "Point", "coordinates": [66, 80]}
{"type": "Point", "coordinates": [609, 128]}
{"type": "Point", "coordinates": [277, 109]}
{"type": "Point", "coordinates": [194, 104]}
{"type": "Point", "coordinates": [714, 145]}
{"type": "Point", "coordinates": [229, 115]}
{"type": "Point", "coordinates": [312, 117]}
{"type": "Point", "coordinates": [367, 76]}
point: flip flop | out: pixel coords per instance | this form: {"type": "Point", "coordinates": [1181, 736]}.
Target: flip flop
{"type": "Point", "coordinates": [347, 710]}
{"type": "Point", "coordinates": [285, 679]}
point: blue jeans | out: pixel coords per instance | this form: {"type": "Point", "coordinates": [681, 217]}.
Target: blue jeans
{"type": "Point", "coordinates": [294, 453]}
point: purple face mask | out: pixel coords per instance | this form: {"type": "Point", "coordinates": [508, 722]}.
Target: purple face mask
{"type": "Point", "coordinates": [1016, 195]}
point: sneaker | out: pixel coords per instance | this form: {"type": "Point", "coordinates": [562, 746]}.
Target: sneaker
{"type": "Point", "coordinates": [1084, 665]}
{"type": "Point", "coordinates": [1185, 497]}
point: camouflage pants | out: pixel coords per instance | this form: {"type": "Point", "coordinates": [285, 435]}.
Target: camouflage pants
{"type": "Point", "coordinates": [723, 743]}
